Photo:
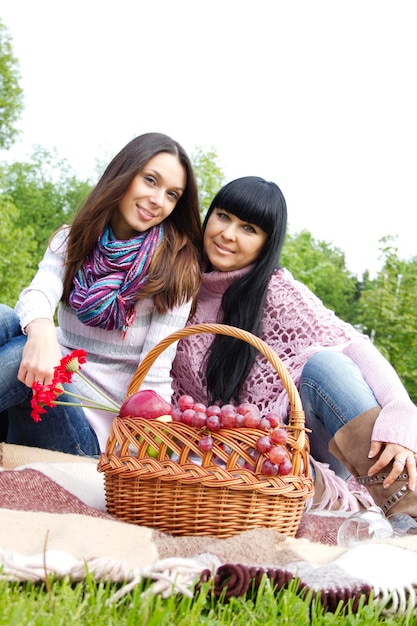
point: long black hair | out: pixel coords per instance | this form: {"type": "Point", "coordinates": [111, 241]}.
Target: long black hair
{"type": "Point", "coordinates": [256, 201]}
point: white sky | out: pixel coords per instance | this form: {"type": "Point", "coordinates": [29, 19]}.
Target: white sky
{"type": "Point", "coordinates": [318, 95]}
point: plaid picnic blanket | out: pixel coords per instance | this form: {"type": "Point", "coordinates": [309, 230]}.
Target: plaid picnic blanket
{"type": "Point", "coordinates": [53, 520]}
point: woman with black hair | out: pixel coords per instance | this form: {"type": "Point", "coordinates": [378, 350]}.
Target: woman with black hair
{"type": "Point", "coordinates": [354, 402]}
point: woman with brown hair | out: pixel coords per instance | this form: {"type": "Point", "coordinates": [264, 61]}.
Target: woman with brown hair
{"type": "Point", "coordinates": [123, 276]}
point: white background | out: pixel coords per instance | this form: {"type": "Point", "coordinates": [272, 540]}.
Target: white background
{"type": "Point", "coordinates": [319, 96]}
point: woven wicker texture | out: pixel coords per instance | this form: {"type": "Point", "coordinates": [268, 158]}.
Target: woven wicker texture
{"type": "Point", "coordinates": [183, 491]}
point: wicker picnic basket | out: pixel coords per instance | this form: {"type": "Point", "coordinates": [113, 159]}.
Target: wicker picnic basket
{"type": "Point", "coordinates": [204, 493]}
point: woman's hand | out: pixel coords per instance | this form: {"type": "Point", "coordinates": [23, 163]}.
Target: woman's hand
{"type": "Point", "coordinates": [40, 354]}
{"type": "Point", "coordinates": [404, 460]}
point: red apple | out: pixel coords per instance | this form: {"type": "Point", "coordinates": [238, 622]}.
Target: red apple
{"type": "Point", "coordinates": [146, 404]}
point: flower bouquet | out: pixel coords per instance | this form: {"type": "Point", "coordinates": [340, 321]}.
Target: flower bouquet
{"type": "Point", "coordinates": [147, 403]}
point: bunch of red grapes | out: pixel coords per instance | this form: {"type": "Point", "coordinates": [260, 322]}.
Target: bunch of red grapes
{"type": "Point", "coordinates": [208, 419]}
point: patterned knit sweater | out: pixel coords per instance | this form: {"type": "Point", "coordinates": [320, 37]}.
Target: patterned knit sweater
{"type": "Point", "coordinates": [296, 325]}
{"type": "Point", "coordinates": [111, 360]}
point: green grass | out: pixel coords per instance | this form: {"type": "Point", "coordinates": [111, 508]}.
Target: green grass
{"type": "Point", "coordinates": [65, 603]}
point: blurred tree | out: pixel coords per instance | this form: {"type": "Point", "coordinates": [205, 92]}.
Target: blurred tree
{"type": "Point", "coordinates": [209, 174]}
{"type": "Point", "coordinates": [16, 253]}
{"type": "Point", "coordinates": [11, 94]}
{"type": "Point", "coordinates": [322, 268]}
{"type": "Point", "coordinates": [45, 192]}
{"type": "Point", "coordinates": [388, 313]}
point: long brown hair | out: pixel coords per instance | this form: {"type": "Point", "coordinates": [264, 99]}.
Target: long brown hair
{"type": "Point", "coordinates": [174, 274]}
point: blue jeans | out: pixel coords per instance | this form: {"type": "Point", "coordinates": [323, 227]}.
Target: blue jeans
{"type": "Point", "coordinates": [333, 392]}
{"type": "Point", "coordinates": [63, 428]}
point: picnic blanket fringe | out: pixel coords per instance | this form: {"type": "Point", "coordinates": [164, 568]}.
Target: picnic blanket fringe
{"type": "Point", "coordinates": [236, 580]}
{"type": "Point", "coordinates": [170, 575]}
{"type": "Point", "coordinates": [186, 576]}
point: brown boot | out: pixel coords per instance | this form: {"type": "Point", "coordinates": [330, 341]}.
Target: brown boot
{"type": "Point", "coordinates": [351, 446]}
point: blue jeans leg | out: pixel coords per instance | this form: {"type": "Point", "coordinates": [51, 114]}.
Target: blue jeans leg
{"type": "Point", "coordinates": [63, 428]}
{"type": "Point", "coordinates": [333, 392]}
{"type": "Point", "coordinates": [12, 342]}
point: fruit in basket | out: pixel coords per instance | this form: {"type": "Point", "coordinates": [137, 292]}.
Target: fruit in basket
{"type": "Point", "coordinates": [273, 435]}
{"type": "Point", "coordinates": [185, 402]}
{"type": "Point", "coordinates": [164, 418]}
{"type": "Point", "coordinates": [269, 469]}
{"type": "Point", "coordinates": [273, 419]}
{"type": "Point", "coordinates": [146, 404]}
{"type": "Point", "coordinates": [206, 443]}
{"type": "Point", "coordinates": [277, 455]}
{"type": "Point", "coordinates": [279, 436]}
{"type": "Point", "coordinates": [150, 450]}
{"type": "Point", "coordinates": [213, 422]}
{"type": "Point", "coordinates": [252, 419]}
{"type": "Point", "coordinates": [247, 407]}
{"type": "Point", "coordinates": [285, 467]}
{"type": "Point", "coordinates": [264, 444]}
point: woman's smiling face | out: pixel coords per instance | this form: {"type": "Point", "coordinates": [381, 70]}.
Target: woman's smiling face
{"type": "Point", "coordinates": [151, 197]}
{"type": "Point", "coordinates": [230, 243]}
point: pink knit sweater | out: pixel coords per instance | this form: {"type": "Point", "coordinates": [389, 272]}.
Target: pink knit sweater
{"type": "Point", "coordinates": [296, 325]}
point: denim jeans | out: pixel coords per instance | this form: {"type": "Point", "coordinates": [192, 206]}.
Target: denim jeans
{"type": "Point", "coordinates": [333, 392]}
{"type": "Point", "coordinates": [63, 428]}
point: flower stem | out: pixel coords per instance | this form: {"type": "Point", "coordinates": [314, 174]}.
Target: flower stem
{"type": "Point", "coordinates": [105, 396]}
{"type": "Point", "coordinates": [93, 403]}
{"type": "Point", "coordinates": [102, 407]}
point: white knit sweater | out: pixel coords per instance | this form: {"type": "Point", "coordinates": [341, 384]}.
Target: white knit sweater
{"type": "Point", "coordinates": [111, 359]}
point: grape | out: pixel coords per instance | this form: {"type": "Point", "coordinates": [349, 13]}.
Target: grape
{"type": "Point", "coordinates": [268, 468]}
{"type": "Point", "coordinates": [188, 416]}
{"type": "Point", "coordinates": [206, 443]}
{"type": "Point", "coordinates": [213, 422]}
{"type": "Point", "coordinates": [185, 402]}
{"type": "Point", "coordinates": [252, 420]}
{"type": "Point", "coordinates": [176, 414]}
{"type": "Point", "coordinates": [264, 444]}
{"type": "Point", "coordinates": [285, 467]}
{"type": "Point", "coordinates": [279, 435]}
{"type": "Point", "coordinates": [228, 420]}
{"type": "Point", "coordinates": [277, 455]}
{"type": "Point", "coordinates": [213, 410]}
{"type": "Point", "coordinates": [227, 409]}
{"type": "Point", "coordinates": [199, 419]}
{"type": "Point", "coordinates": [246, 415]}
{"type": "Point", "coordinates": [240, 421]}
{"type": "Point", "coordinates": [246, 407]}
{"type": "Point", "coordinates": [273, 419]}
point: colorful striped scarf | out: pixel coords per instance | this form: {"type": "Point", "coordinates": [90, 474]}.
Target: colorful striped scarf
{"type": "Point", "coordinates": [107, 284]}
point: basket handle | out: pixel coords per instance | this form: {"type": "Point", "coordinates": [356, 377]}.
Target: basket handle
{"type": "Point", "coordinates": [296, 417]}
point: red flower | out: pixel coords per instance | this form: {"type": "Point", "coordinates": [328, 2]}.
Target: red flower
{"type": "Point", "coordinates": [43, 395]}
{"type": "Point", "coordinates": [72, 362]}
{"type": "Point", "coordinates": [46, 395]}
